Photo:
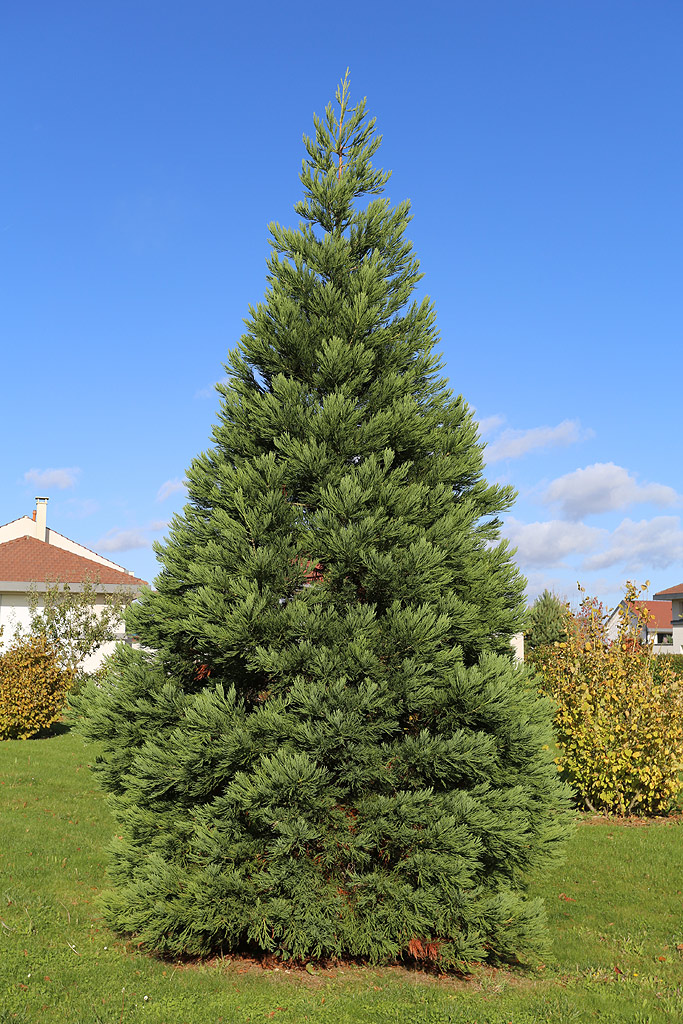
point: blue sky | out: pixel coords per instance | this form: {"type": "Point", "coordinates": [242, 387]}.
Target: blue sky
{"type": "Point", "coordinates": [147, 145]}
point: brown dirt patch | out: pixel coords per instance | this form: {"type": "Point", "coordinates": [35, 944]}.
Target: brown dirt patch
{"type": "Point", "coordinates": [632, 821]}
{"type": "Point", "coordinates": [315, 974]}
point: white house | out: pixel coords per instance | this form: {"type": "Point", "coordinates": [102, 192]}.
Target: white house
{"type": "Point", "coordinates": [657, 629]}
{"type": "Point", "coordinates": [674, 597]}
{"type": "Point", "coordinates": [32, 556]}
{"type": "Point", "coordinates": [517, 643]}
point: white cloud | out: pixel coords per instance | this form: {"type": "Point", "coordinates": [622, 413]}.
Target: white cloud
{"type": "Point", "coordinates": [602, 488]}
{"type": "Point", "coordinates": [547, 544]}
{"type": "Point", "coordinates": [511, 444]}
{"type": "Point", "coordinates": [170, 487]}
{"type": "Point", "coordinates": [81, 509]}
{"type": "Point", "coordinates": [537, 581]}
{"type": "Point", "coordinates": [48, 478]}
{"type": "Point", "coordinates": [210, 392]}
{"type": "Point", "coordinates": [490, 423]}
{"type": "Point", "coordinates": [126, 540]}
{"type": "Point", "coordinates": [650, 544]}
{"type": "Point", "coordinates": [608, 589]}
{"type": "Point", "coordinates": [123, 540]}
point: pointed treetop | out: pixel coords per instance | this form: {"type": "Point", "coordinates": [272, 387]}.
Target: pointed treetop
{"type": "Point", "coordinates": [342, 97]}
{"type": "Point", "coordinates": [339, 165]}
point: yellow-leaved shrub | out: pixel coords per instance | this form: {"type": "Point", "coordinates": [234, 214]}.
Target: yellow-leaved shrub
{"type": "Point", "coordinates": [619, 726]}
{"type": "Point", "coordinates": [33, 688]}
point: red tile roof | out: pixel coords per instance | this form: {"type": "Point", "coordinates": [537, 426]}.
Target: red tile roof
{"type": "Point", "coordinates": [672, 591]}
{"type": "Point", "coordinates": [27, 560]}
{"type": "Point", "coordinates": [659, 614]}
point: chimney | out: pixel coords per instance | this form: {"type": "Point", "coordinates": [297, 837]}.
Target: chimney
{"type": "Point", "coordinates": [41, 518]}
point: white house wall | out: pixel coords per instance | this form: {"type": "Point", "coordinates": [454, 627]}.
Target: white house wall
{"type": "Point", "coordinates": [517, 644]}
{"type": "Point", "coordinates": [677, 617]}
{"type": "Point", "coordinates": [14, 612]}
{"type": "Point", "coordinates": [23, 527]}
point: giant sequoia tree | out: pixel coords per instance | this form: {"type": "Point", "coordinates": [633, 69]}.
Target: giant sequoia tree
{"type": "Point", "coordinates": [330, 750]}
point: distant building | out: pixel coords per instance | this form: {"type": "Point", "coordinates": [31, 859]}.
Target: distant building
{"type": "Point", "coordinates": [32, 557]}
{"type": "Point", "coordinates": [657, 629]}
{"type": "Point", "coordinates": [517, 644]}
{"type": "Point", "coordinates": [674, 595]}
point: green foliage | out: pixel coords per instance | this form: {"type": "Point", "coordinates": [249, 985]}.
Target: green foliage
{"type": "Point", "coordinates": [330, 751]}
{"type": "Point", "coordinates": [547, 621]}
{"type": "Point", "coordinates": [76, 622]}
{"type": "Point", "coordinates": [33, 688]}
{"type": "Point", "coordinates": [83, 679]}
{"type": "Point", "coordinates": [613, 902]}
{"type": "Point", "coordinates": [664, 664]}
{"type": "Point", "coordinates": [619, 721]}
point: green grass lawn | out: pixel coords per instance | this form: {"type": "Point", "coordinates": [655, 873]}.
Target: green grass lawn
{"type": "Point", "coordinates": [615, 910]}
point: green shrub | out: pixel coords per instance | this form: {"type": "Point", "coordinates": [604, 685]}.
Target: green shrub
{"type": "Point", "coordinates": [33, 688]}
{"type": "Point", "coordinates": [619, 719]}
{"type": "Point", "coordinates": [81, 679]}
{"type": "Point", "coordinates": [664, 663]}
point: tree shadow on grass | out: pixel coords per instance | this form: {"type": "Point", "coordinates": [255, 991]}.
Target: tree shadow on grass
{"type": "Point", "coordinates": [56, 729]}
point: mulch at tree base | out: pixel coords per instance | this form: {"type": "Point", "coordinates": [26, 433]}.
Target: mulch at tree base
{"type": "Point", "coordinates": [473, 976]}
{"type": "Point", "coordinates": [632, 820]}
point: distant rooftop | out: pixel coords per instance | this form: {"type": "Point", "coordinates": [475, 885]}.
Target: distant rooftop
{"type": "Point", "coordinates": [659, 613]}
{"type": "Point", "coordinates": [26, 560]}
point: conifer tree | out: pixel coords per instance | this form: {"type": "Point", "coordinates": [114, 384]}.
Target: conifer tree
{"type": "Point", "coordinates": [327, 749]}
{"type": "Point", "coordinates": [547, 621]}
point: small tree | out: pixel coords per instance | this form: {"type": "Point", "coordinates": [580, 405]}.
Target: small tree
{"type": "Point", "coordinates": [547, 621]}
{"type": "Point", "coordinates": [75, 621]}
{"type": "Point", "coordinates": [619, 725]}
